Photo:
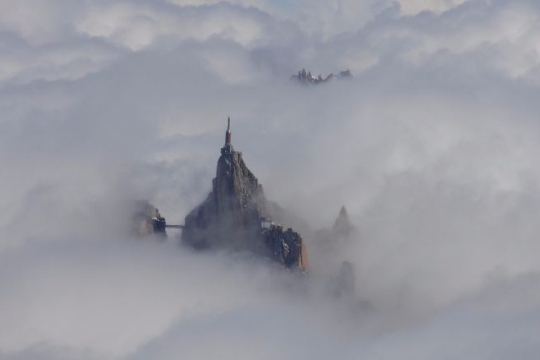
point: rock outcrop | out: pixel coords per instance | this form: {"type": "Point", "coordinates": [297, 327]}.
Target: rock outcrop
{"type": "Point", "coordinates": [284, 246]}
{"type": "Point", "coordinates": [237, 216]}
{"type": "Point", "coordinates": [146, 220]}
{"type": "Point", "coordinates": [306, 78]}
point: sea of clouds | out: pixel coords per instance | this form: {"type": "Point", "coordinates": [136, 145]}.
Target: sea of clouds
{"type": "Point", "coordinates": [433, 147]}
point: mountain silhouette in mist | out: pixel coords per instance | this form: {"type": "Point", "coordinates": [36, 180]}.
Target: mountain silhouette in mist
{"type": "Point", "coordinates": [237, 216]}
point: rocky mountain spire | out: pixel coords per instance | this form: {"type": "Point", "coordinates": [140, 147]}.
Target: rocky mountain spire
{"type": "Point", "coordinates": [343, 226]}
{"type": "Point", "coordinates": [306, 78]}
{"type": "Point", "coordinates": [236, 215]}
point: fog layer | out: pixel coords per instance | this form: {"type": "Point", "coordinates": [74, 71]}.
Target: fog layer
{"type": "Point", "coordinates": [432, 147]}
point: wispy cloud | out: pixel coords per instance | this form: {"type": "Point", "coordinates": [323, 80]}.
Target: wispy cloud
{"type": "Point", "coordinates": [432, 147]}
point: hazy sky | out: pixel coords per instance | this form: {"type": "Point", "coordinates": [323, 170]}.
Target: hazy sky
{"type": "Point", "coordinates": [433, 147]}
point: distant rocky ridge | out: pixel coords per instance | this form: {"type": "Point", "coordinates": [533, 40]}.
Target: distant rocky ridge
{"type": "Point", "coordinates": [306, 78]}
{"type": "Point", "coordinates": [237, 216]}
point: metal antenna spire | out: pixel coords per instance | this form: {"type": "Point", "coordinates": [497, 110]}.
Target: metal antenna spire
{"type": "Point", "coordinates": [228, 133]}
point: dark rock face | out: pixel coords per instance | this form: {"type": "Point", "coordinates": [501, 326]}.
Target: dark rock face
{"type": "Point", "coordinates": [306, 78]}
{"type": "Point", "coordinates": [285, 247]}
{"type": "Point", "coordinates": [236, 216]}
{"type": "Point", "coordinates": [232, 212]}
{"type": "Point", "coordinates": [147, 220]}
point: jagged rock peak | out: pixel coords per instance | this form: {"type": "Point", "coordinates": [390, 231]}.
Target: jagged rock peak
{"type": "Point", "coordinates": [306, 78]}
{"type": "Point", "coordinates": [236, 215]}
{"type": "Point", "coordinates": [343, 226]}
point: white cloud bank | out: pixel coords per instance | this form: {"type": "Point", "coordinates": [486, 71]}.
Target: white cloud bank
{"type": "Point", "coordinates": [432, 147]}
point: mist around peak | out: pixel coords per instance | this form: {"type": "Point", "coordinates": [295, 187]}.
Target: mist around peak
{"type": "Point", "coordinates": [432, 147]}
